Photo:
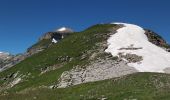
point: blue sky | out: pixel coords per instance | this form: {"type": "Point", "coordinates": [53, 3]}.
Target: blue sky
{"type": "Point", "coordinates": [22, 22]}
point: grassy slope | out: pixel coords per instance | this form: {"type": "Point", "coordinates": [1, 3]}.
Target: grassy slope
{"type": "Point", "coordinates": [139, 86]}
{"type": "Point", "coordinates": [73, 46]}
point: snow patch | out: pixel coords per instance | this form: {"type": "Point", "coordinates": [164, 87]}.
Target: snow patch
{"type": "Point", "coordinates": [54, 40]}
{"type": "Point", "coordinates": [62, 29]}
{"type": "Point", "coordinates": [155, 59]}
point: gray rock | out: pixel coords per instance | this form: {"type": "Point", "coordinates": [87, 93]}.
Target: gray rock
{"type": "Point", "coordinates": [98, 70]}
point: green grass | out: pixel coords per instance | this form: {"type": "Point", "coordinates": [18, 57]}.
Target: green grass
{"type": "Point", "coordinates": [139, 86]}
{"type": "Point", "coordinates": [73, 46]}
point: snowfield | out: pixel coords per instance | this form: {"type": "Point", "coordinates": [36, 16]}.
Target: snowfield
{"type": "Point", "coordinates": [155, 59]}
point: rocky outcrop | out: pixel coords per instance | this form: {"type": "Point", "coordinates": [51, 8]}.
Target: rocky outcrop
{"type": "Point", "coordinates": [131, 58]}
{"type": "Point", "coordinates": [98, 70]}
{"type": "Point", "coordinates": [5, 59]}
{"type": "Point", "coordinates": [156, 39]}
{"type": "Point", "coordinates": [47, 35]}
{"type": "Point", "coordinates": [35, 49]}
{"type": "Point", "coordinates": [57, 35]}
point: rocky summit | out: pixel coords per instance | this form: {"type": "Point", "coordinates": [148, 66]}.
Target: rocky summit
{"type": "Point", "coordinates": [58, 34]}
{"type": "Point", "coordinates": [48, 38]}
{"type": "Point", "coordinates": [115, 61]}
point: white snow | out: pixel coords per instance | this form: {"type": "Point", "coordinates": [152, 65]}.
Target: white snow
{"type": "Point", "coordinates": [54, 40]}
{"type": "Point", "coordinates": [155, 59]}
{"type": "Point", "coordinates": [62, 29]}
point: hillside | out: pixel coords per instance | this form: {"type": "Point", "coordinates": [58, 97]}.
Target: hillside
{"type": "Point", "coordinates": [140, 86]}
{"type": "Point", "coordinates": [101, 57]}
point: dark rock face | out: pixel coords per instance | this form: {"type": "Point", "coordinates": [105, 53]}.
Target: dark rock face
{"type": "Point", "coordinates": [156, 39]}
{"type": "Point", "coordinates": [55, 35]}
{"type": "Point", "coordinates": [58, 34]}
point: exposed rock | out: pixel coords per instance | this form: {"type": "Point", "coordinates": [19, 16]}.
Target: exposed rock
{"type": "Point", "coordinates": [34, 50]}
{"type": "Point", "coordinates": [131, 58]}
{"type": "Point", "coordinates": [156, 39]}
{"type": "Point", "coordinates": [99, 70]}
{"type": "Point", "coordinates": [131, 47]}
{"type": "Point", "coordinates": [63, 58]}
{"type": "Point", "coordinates": [11, 61]}
{"type": "Point", "coordinates": [57, 35]}
{"type": "Point", "coordinates": [51, 35]}
{"type": "Point", "coordinates": [4, 60]}
{"type": "Point", "coordinates": [47, 35]}
{"type": "Point", "coordinates": [15, 81]}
